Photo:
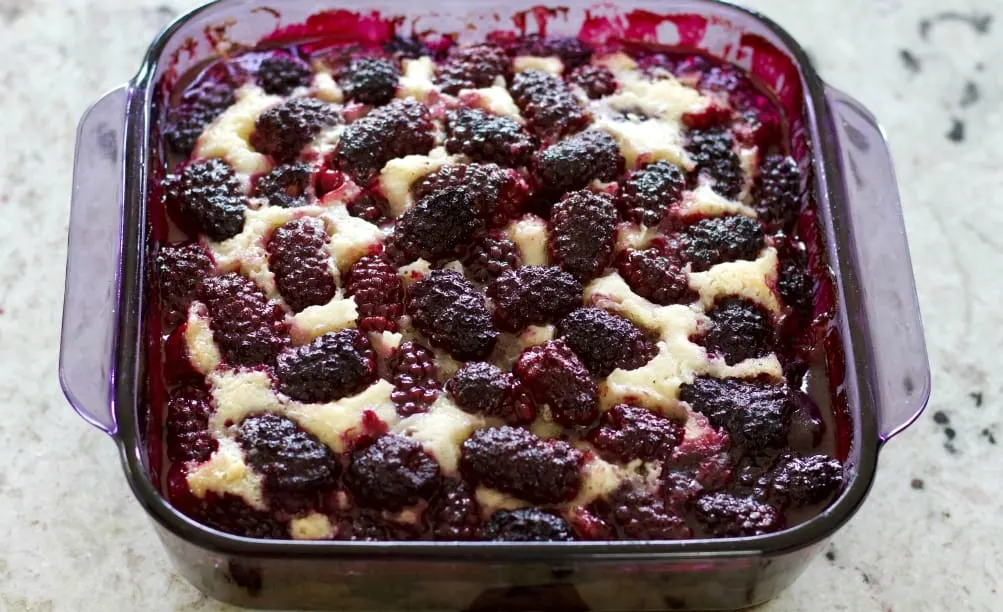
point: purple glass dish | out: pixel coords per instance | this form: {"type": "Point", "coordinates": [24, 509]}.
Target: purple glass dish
{"type": "Point", "coordinates": [878, 333]}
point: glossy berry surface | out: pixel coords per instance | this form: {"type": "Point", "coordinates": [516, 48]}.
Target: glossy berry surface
{"type": "Point", "coordinates": [627, 432]}
{"type": "Point", "coordinates": [188, 411]}
{"type": "Point", "coordinates": [647, 194]}
{"type": "Point", "coordinates": [755, 414]}
{"type": "Point", "coordinates": [369, 80]}
{"type": "Point", "coordinates": [282, 73]}
{"type": "Point", "coordinates": [291, 459]}
{"type": "Point", "coordinates": [515, 461]}
{"type": "Point", "coordinates": [299, 260]}
{"type": "Point", "coordinates": [180, 270]}
{"type": "Point", "coordinates": [484, 137]}
{"type": "Point", "coordinates": [413, 373]}
{"type": "Point", "coordinates": [402, 127]}
{"type": "Point", "coordinates": [378, 293]}
{"type": "Point", "coordinates": [654, 276]}
{"type": "Point", "coordinates": [582, 233]}
{"type": "Point", "coordinates": [576, 161]}
{"type": "Point", "coordinates": [740, 329]}
{"type": "Point", "coordinates": [715, 240]}
{"type": "Point", "coordinates": [725, 515]}
{"type": "Point", "coordinates": [448, 311]}
{"type": "Point", "coordinates": [207, 195]}
{"type": "Point", "coordinates": [555, 376]}
{"type": "Point", "coordinates": [288, 186]}
{"type": "Point", "coordinates": [526, 525]}
{"type": "Point", "coordinates": [483, 388]}
{"type": "Point", "coordinates": [248, 327]}
{"type": "Point", "coordinates": [548, 103]}
{"type": "Point", "coordinates": [282, 131]}
{"type": "Point", "coordinates": [533, 295]}
{"type": "Point", "coordinates": [392, 473]}
{"type": "Point", "coordinates": [333, 366]}
{"type": "Point", "coordinates": [605, 341]}
{"type": "Point", "coordinates": [472, 68]}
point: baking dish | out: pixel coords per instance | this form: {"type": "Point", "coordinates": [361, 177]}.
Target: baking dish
{"type": "Point", "coordinates": [875, 349]}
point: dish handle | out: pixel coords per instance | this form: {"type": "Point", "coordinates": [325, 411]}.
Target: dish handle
{"type": "Point", "coordinates": [91, 297]}
{"type": "Point", "coordinates": [881, 253]}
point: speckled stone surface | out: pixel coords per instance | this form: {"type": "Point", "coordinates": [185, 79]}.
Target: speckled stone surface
{"type": "Point", "coordinates": [929, 537]}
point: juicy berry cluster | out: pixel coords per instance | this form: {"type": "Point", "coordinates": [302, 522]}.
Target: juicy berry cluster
{"type": "Point", "coordinates": [605, 341]}
{"type": "Point", "coordinates": [299, 260]}
{"type": "Point", "coordinates": [413, 373]}
{"type": "Point", "coordinates": [483, 388]}
{"type": "Point", "coordinates": [740, 329]}
{"type": "Point", "coordinates": [576, 161]}
{"type": "Point", "coordinates": [437, 226]}
{"type": "Point", "coordinates": [288, 186]}
{"type": "Point", "coordinates": [188, 437]}
{"type": "Point", "coordinates": [281, 73]}
{"type": "Point", "coordinates": [248, 328]}
{"type": "Point", "coordinates": [401, 128]}
{"type": "Point", "coordinates": [448, 311]}
{"type": "Point", "coordinates": [489, 257]}
{"type": "Point", "coordinates": [712, 151]}
{"type": "Point", "coordinates": [378, 293]}
{"type": "Point", "coordinates": [208, 194]}
{"type": "Point", "coordinates": [484, 137]}
{"type": "Point", "coordinates": [549, 105]}
{"type": "Point", "coordinates": [641, 516]}
{"type": "Point", "coordinates": [725, 515]}
{"type": "Point", "coordinates": [198, 108]}
{"type": "Point", "coordinates": [472, 68]}
{"type": "Point", "coordinates": [595, 81]}
{"type": "Point", "coordinates": [802, 481]}
{"type": "Point", "coordinates": [582, 233]}
{"type": "Point", "coordinates": [627, 432]}
{"type": "Point", "coordinates": [369, 80]}
{"type": "Point", "coordinates": [333, 366]}
{"type": "Point", "coordinates": [180, 272]}
{"type": "Point", "coordinates": [391, 473]}
{"type": "Point", "coordinates": [654, 276]}
{"type": "Point", "coordinates": [776, 194]}
{"type": "Point", "coordinates": [554, 375]}
{"type": "Point", "coordinates": [647, 194]}
{"type": "Point", "coordinates": [455, 514]}
{"type": "Point", "coordinates": [370, 206]}
{"type": "Point", "coordinates": [293, 462]}
{"type": "Point", "coordinates": [570, 50]}
{"type": "Point", "coordinates": [755, 414]}
{"type": "Point", "coordinates": [514, 461]}
{"type": "Point", "coordinates": [721, 239]}
{"type": "Point", "coordinates": [497, 193]}
{"type": "Point", "coordinates": [533, 295]}
{"type": "Point", "coordinates": [526, 525]}
{"type": "Point", "coordinates": [282, 131]}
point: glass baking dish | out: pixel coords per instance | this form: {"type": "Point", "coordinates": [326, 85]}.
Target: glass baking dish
{"type": "Point", "coordinates": [877, 364]}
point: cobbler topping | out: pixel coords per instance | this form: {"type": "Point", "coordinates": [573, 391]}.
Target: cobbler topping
{"type": "Point", "coordinates": [521, 291]}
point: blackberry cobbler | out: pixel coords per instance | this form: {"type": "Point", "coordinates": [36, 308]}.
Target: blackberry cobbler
{"type": "Point", "coordinates": [522, 290]}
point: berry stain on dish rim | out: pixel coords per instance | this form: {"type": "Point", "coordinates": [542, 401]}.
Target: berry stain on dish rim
{"type": "Point", "coordinates": [743, 496]}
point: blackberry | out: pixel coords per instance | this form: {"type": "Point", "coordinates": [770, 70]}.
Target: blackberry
{"type": "Point", "coordinates": [795, 285]}
{"type": "Point", "coordinates": [287, 186]}
{"type": "Point", "coordinates": [294, 463]}
{"type": "Point", "coordinates": [489, 257]}
{"type": "Point", "coordinates": [437, 226]}
{"type": "Point", "coordinates": [638, 515]}
{"type": "Point", "coordinates": [369, 80]}
{"type": "Point", "coordinates": [198, 108]}
{"type": "Point", "coordinates": [281, 73]}
{"type": "Point", "coordinates": [711, 151]}
{"type": "Point", "coordinates": [298, 257]}
{"type": "Point", "coordinates": [378, 293]}
{"type": "Point", "coordinates": [406, 48]}
{"type": "Point", "coordinates": [497, 193]}
{"type": "Point", "coordinates": [533, 295]}
{"type": "Point", "coordinates": [283, 130]}
{"type": "Point", "coordinates": [392, 473]}
{"type": "Point", "coordinates": [575, 162]}
{"type": "Point", "coordinates": [595, 81]}
{"type": "Point", "coordinates": [413, 374]}
{"type": "Point", "coordinates": [740, 330]}
{"type": "Point", "coordinates": [647, 194]}
{"type": "Point", "coordinates": [370, 206]}
{"type": "Point", "coordinates": [571, 51]}
{"type": "Point", "coordinates": [482, 388]}
{"type": "Point", "coordinates": [455, 514]}
{"type": "Point", "coordinates": [722, 239]}
{"type": "Point", "coordinates": [756, 414]}
{"type": "Point", "coordinates": [776, 195]}
{"type": "Point", "coordinates": [802, 481]}
{"type": "Point", "coordinates": [605, 341]}
{"type": "Point", "coordinates": [582, 233]}
{"type": "Point", "coordinates": [180, 271]}
{"type": "Point", "coordinates": [447, 309]}
{"type": "Point", "coordinates": [472, 67]}
{"type": "Point", "coordinates": [727, 516]}
{"type": "Point", "coordinates": [655, 277]}
{"type": "Point", "coordinates": [514, 461]}
{"type": "Point", "coordinates": [188, 437]}
{"type": "Point", "coordinates": [401, 128]}
{"type": "Point", "coordinates": [207, 194]}
{"type": "Point", "coordinates": [550, 108]}
{"type": "Point", "coordinates": [555, 376]}
{"type": "Point", "coordinates": [248, 328]}
{"type": "Point", "coordinates": [627, 432]}
{"type": "Point", "coordinates": [230, 513]}
{"type": "Point", "coordinates": [333, 366]}
{"type": "Point", "coordinates": [526, 525]}
{"type": "Point", "coordinates": [370, 525]}
{"type": "Point", "coordinates": [484, 137]}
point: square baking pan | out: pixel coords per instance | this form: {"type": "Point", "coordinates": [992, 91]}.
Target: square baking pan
{"type": "Point", "coordinates": [874, 348]}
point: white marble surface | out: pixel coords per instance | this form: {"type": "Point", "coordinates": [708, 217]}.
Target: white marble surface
{"type": "Point", "coordinates": [73, 538]}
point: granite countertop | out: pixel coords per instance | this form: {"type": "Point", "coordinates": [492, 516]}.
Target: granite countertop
{"type": "Point", "coordinates": [73, 538]}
